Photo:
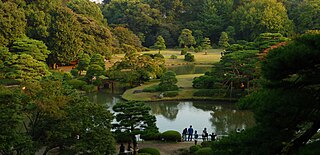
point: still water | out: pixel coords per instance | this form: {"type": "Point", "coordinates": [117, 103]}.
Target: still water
{"type": "Point", "coordinates": [218, 117]}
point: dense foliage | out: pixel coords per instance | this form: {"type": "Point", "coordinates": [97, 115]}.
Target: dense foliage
{"type": "Point", "coordinates": [286, 108]}
{"type": "Point", "coordinates": [49, 114]}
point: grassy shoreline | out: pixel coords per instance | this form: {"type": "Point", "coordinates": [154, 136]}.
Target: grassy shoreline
{"type": "Point", "coordinates": [185, 92]}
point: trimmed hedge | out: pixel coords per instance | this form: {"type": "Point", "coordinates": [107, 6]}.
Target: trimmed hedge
{"type": "Point", "coordinates": [152, 151]}
{"type": "Point", "coordinates": [204, 151]}
{"type": "Point", "coordinates": [170, 94]}
{"type": "Point", "coordinates": [171, 135]}
{"type": "Point", "coordinates": [194, 148]}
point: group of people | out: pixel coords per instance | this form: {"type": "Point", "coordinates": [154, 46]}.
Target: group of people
{"type": "Point", "coordinates": [187, 135]}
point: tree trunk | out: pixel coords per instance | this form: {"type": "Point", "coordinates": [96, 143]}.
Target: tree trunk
{"type": "Point", "coordinates": [302, 140]}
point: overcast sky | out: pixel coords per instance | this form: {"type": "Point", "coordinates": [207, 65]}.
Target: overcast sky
{"type": "Point", "coordinates": [96, 1]}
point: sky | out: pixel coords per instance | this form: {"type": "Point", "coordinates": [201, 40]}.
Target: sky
{"type": "Point", "coordinates": [96, 1]}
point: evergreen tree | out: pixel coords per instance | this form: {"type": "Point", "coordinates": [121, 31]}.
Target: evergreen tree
{"type": "Point", "coordinates": [186, 39]}
{"type": "Point", "coordinates": [224, 40]}
{"type": "Point", "coordinates": [160, 44]}
{"type": "Point", "coordinates": [168, 81]}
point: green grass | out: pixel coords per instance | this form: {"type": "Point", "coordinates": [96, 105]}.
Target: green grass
{"type": "Point", "coordinates": [185, 92]}
{"type": "Point", "coordinates": [212, 57]}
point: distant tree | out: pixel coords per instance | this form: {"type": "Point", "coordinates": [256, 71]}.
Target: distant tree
{"type": "Point", "coordinates": [12, 21]}
{"type": "Point", "coordinates": [305, 15]}
{"type": "Point", "coordinates": [134, 118]}
{"type": "Point", "coordinates": [224, 40]}
{"type": "Point", "coordinates": [168, 81]}
{"type": "Point", "coordinates": [83, 63]}
{"type": "Point", "coordinates": [126, 38]}
{"type": "Point", "coordinates": [24, 67]}
{"type": "Point", "coordinates": [37, 49]}
{"type": "Point", "coordinates": [96, 69]}
{"type": "Point", "coordinates": [252, 18]}
{"type": "Point", "coordinates": [86, 8]}
{"type": "Point", "coordinates": [186, 39]}
{"type": "Point", "coordinates": [206, 44]}
{"type": "Point", "coordinates": [160, 43]}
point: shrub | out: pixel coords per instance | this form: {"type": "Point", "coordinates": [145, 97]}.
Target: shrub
{"type": "Point", "coordinates": [189, 57]}
{"type": "Point", "coordinates": [194, 148]}
{"type": "Point", "coordinates": [171, 136]}
{"type": "Point", "coordinates": [198, 49]}
{"type": "Point", "coordinates": [153, 88]}
{"type": "Point", "coordinates": [152, 151]}
{"type": "Point", "coordinates": [204, 151]}
{"type": "Point", "coordinates": [74, 72]}
{"type": "Point", "coordinates": [184, 51]}
{"type": "Point", "coordinates": [67, 76]}
{"type": "Point", "coordinates": [89, 88]}
{"type": "Point", "coordinates": [192, 49]}
{"type": "Point", "coordinates": [173, 57]}
{"type": "Point", "coordinates": [158, 55]}
{"type": "Point", "coordinates": [76, 84]}
{"type": "Point", "coordinates": [170, 94]}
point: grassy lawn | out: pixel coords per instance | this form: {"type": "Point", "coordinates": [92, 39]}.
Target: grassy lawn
{"type": "Point", "coordinates": [212, 57]}
{"type": "Point", "coordinates": [185, 93]}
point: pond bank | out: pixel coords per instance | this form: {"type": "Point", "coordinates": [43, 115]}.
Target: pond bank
{"type": "Point", "coordinates": [185, 92]}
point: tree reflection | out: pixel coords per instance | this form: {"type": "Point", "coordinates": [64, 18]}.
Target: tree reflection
{"type": "Point", "coordinates": [228, 120]}
{"type": "Point", "coordinates": [168, 110]}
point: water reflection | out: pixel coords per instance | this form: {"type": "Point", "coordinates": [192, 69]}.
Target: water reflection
{"type": "Point", "coordinates": [220, 118]}
{"type": "Point", "coordinates": [217, 117]}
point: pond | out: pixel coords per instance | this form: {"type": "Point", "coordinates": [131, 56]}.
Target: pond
{"type": "Point", "coordinates": [190, 69]}
{"type": "Point", "coordinates": [218, 117]}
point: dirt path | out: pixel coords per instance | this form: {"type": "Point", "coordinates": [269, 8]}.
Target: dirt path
{"type": "Point", "coordinates": [165, 148]}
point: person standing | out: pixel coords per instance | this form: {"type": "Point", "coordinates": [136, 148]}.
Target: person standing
{"type": "Point", "coordinates": [184, 134]}
{"type": "Point", "coordinates": [213, 136]}
{"type": "Point", "coordinates": [195, 137]}
{"type": "Point", "coordinates": [190, 133]}
{"type": "Point", "coordinates": [204, 134]}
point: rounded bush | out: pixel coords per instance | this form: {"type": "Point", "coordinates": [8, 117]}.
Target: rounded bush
{"type": "Point", "coordinates": [151, 151]}
{"type": "Point", "coordinates": [171, 135]}
{"type": "Point", "coordinates": [204, 151]}
{"type": "Point", "coordinates": [76, 84]}
{"type": "Point", "coordinates": [173, 57]}
{"type": "Point", "coordinates": [194, 148]}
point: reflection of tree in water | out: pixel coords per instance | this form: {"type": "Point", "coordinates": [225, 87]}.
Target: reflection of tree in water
{"type": "Point", "coordinates": [184, 69]}
{"type": "Point", "coordinates": [226, 120]}
{"type": "Point", "coordinates": [167, 109]}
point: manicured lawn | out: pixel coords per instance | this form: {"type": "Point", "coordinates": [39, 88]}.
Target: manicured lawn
{"type": "Point", "coordinates": [185, 92]}
{"type": "Point", "coordinates": [212, 57]}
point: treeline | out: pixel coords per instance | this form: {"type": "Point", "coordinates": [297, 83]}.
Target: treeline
{"type": "Point", "coordinates": [240, 19]}
{"type": "Point", "coordinates": [70, 28]}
